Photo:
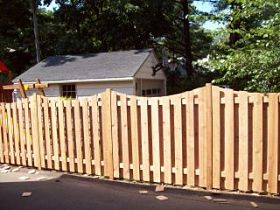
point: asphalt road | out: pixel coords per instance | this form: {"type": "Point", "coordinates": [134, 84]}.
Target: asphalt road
{"type": "Point", "coordinates": [72, 193]}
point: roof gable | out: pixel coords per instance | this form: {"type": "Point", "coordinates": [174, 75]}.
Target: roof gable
{"type": "Point", "coordinates": [119, 64]}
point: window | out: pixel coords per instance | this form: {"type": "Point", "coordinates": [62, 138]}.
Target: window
{"type": "Point", "coordinates": [143, 92]}
{"type": "Point", "coordinates": [158, 91]}
{"type": "Point", "coordinates": [151, 92]}
{"type": "Point", "coordinates": [69, 91]}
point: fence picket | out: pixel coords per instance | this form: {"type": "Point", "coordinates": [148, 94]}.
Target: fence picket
{"type": "Point", "coordinates": [216, 137]}
{"type": "Point", "coordinates": [55, 135]}
{"type": "Point", "coordinates": [78, 136]}
{"type": "Point", "coordinates": [229, 139]}
{"type": "Point", "coordinates": [208, 161]}
{"type": "Point", "coordinates": [258, 143]}
{"type": "Point", "coordinates": [35, 131]}
{"type": "Point", "coordinates": [96, 137]}
{"type": "Point", "coordinates": [155, 139]}
{"type": "Point", "coordinates": [178, 140]}
{"type": "Point", "coordinates": [243, 142]}
{"type": "Point", "coordinates": [10, 134]}
{"type": "Point", "coordinates": [21, 133]}
{"type": "Point", "coordinates": [190, 140]}
{"type": "Point", "coordinates": [167, 140]}
{"type": "Point", "coordinates": [87, 139]}
{"type": "Point", "coordinates": [27, 132]}
{"type": "Point", "coordinates": [5, 133]}
{"type": "Point", "coordinates": [201, 137]}
{"type": "Point", "coordinates": [62, 135]}
{"type": "Point", "coordinates": [273, 143]}
{"type": "Point", "coordinates": [16, 133]}
{"type": "Point", "coordinates": [107, 134]}
{"type": "Point", "coordinates": [70, 137]}
{"type": "Point", "coordinates": [134, 138]}
{"type": "Point", "coordinates": [41, 133]}
{"type": "Point", "coordinates": [115, 135]}
{"type": "Point", "coordinates": [47, 132]}
{"type": "Point", "coordinates": [1, 138]}
{"type": "Point", "coordinates": [145, 139]}
{"type": "Point", "coordinates": [125, 145]}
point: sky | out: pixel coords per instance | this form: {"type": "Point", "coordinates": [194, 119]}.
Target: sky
{"type": "Point", "coordinates": [207, 7]}
{"type": "Point", "coordinates": [203, 6]}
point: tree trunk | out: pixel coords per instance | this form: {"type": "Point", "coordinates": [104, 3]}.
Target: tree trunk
{"type": "Point", "coordinates": [187, 39]}
{"type": "Point", "coordinates": [35, 28]}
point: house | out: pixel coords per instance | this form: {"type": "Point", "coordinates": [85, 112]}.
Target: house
{"type": "Point", "coordinates": [129, 72]}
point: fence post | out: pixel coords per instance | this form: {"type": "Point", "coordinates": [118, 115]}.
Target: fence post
{"type": "Point", "coordinates": [106, 114]}
{"type": "Point", "coordinates": [208, 161]}
{"type": "Point", "coordinates": [35, 131]}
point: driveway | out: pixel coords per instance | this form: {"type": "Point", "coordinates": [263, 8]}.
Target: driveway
{"type": "Point", "coordinates": [58, 191]}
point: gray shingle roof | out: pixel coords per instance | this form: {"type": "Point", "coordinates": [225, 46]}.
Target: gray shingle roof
{"type": "Point", "coordinates": [119, 64]}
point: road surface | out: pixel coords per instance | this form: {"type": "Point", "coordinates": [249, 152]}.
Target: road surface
{"type": "Point", "coordinates": [62, 191]}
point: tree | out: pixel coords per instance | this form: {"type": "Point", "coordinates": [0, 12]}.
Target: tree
{"type": "Point", "coordinates": [186, 42]}
{"type": "Point", "coordinates": [253, 63]}
{"type": "Point", "coordinates": [34, 5]}
{"type": "Point", "coordinates": [187, 39]}
{"type": "Point", "coordinates": [85, 26]}
{"type": "Point", "coordinates": [16, 39]}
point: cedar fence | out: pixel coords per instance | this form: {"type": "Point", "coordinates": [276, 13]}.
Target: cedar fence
{"type": "Point", "coordinates": [210, 137]}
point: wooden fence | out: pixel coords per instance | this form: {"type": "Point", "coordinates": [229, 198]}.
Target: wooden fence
{"type": "Point", "coordinates": [209, 137]}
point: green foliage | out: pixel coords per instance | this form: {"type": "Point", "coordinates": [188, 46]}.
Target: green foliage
{"type": "Point", "coordinates": [173, 40]}
{"type": "Point", "coordinates": [177, 84]}
{"type": "Point", "coordinates": [252, 63]}
{"type": "Point", "coordinates": [65, 98]}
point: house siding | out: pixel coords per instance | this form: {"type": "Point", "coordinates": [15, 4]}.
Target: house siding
{"type": "Point", "coordinates": [145, 80]}
{"type": "Point", "coordinates": [89, 89]}
{"type": "Point", "coordinates": [149, 84]}
{"type": "Point", "coordinates": [53, 90]}
{"type": "Point", "coordinates": [146, 70]}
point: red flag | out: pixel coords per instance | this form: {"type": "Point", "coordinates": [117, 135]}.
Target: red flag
{"type": "Point", "coordinates": [3, 68]}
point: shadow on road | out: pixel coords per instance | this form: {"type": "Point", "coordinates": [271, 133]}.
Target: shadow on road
{"type": "Point", "coordinates": [69, 193]}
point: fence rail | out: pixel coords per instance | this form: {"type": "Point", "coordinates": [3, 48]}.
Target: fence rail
{"type": "Point", "coordinates": [209, 137]}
